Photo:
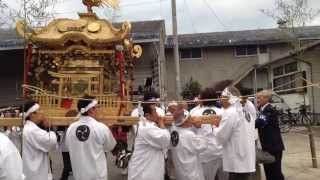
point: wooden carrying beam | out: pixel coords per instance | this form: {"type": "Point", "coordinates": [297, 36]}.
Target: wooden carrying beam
{"type": "Point", "coordinates": [108, 120]}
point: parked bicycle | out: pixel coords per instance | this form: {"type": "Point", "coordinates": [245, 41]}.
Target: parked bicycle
{"type": "Point", "coordinates": [286, 120]}
{"type": "Point", "coordinates": [303, 117]}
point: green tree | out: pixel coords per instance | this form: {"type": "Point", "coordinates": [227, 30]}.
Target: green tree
{"type": "Point", "coordinates": [191, 89]}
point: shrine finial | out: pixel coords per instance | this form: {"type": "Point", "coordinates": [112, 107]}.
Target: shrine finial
{"type": "Point", "coordinates": [99, 3]}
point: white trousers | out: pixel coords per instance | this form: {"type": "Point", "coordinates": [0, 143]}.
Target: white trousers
{"type": "Point", "coordinates": [214, 168]}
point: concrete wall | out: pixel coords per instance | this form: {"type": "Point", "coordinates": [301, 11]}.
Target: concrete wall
{"type": "Point", "coordinates": [277, 50]}
{"type": "Point", "coordinates": [313, 57]}
{"type": "Point", "coordinates": [310, 64]}
{"type": "Point", "coordinates": [262, 80]}
{"type": "Point", "coordinates": [217, 63]}
{"type": "Point", "coordinates": [312, 68]}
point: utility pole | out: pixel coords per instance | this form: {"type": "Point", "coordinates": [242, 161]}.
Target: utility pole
{"type": "Point", "coordinates": [255, 83]}
{"type": "Point", "coordinates": [176, 47]}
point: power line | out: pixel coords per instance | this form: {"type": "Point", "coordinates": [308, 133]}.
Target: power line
{"type": "Point", "coordinates": [214, 13]}
{"type": "Point", "coordinates": [121, 5]}
{"type": "Point", "coordinates": [190, 16]}
{"type": "Point", "coordinates": [160, 6]}
{"type": "Point", "coordinates": [142, 3]}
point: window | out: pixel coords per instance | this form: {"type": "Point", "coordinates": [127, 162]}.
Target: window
{"type": "Point", "coordinates": [250, 50]}
{"type": "Point", "coordinates": [285, 69]}
{"type": "Point", "coordinates": [283, 83]}
{"type": "Point", "coordinates": [191, 53]}
{"type": "Point", "coordinates": [278, 71]}
{"type": "Point", "coordinates": [291, 67]}
{"type": "Point", "coordinates": [286, 83]}
{"type": "Point", "coordinates": [246, 50]}
{"type": "Point", "coordinates": [241, 51]}
{"type": "Point", "coordinates": [287, 77]}
{"type": "Point", "coordinates": [263, 49]}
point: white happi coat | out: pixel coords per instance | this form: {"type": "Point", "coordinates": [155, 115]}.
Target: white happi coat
{"type": "Point", "coordinates": [15, 137]}
{"type": "Point", "coordinates": [36, 145]}
{"type": "Point", "coordinates": [10, 160]}
{"type": "Point", "coordinates": [131, 133]}
{"type": "Point", "coordinates": [234, 135]}
{"type": "Point", "coordinates": [193, 110]}
{"type": "Point", "coordinates": [185, 155]}
{"type": "Point", "coordinates": [251, 112]}
{"type": "Point", "coordinates": [251, 109]}
{"type": "Point", "coordinates": [147, 161]}
{"type": "Point", "coordinates": [214, 150]}
{"type": "Point", "coordinates": [87, 141]}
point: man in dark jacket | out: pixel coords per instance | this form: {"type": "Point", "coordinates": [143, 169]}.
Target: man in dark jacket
{"type": "Point", "coordinates": [269, 134]}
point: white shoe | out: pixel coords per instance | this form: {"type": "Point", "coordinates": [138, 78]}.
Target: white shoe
{"type": "Point", "coordinates": [50, 176]}
{"type": "Point", "coordinates": [124, 172]}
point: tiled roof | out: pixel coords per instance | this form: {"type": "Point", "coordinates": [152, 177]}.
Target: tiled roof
{"type": "Point", "coordinates": [247, 37]}
{"type": "Point", "coordinates": [148, 30]}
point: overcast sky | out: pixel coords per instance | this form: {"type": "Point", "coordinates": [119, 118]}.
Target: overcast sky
{"type": "Point", "coordinates": [194, 16]}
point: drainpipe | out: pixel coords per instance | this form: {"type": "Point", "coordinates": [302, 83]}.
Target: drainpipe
{"type": "Point", "coordinates": [255, 83]}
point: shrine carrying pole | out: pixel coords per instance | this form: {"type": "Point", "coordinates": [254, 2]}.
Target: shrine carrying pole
{"type": "Point", "coordinates": [108, 120]}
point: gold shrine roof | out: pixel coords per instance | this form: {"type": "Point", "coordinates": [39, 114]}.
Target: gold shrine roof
{"type": "Point", "coordinates": [89, 30]}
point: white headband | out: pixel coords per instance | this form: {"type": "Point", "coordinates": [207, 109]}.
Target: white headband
{"type": "Point", "coordinates": [172, 103]}
{"type": "Point", "coordinates": [89, 106]}
{"type": "Point", "coordinates": [153, 99]}
{"type": "Point", "coordinates": [232, 99]}
{"type": "Point", "coordinates": [33, 109]}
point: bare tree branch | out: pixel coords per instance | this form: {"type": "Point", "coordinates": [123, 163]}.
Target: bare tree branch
{"type": "Point", "coordinates": [295, 13]}
{"type": "Point", "coordinates": [35, 12]}
{"type": "Point", "coordinates": [3, 6]}
{"type": "Point", "coordinates": [291, 15]}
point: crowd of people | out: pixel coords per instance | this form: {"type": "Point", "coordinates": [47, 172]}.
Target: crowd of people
{"type": "Point", "coordinates": [222, 148]}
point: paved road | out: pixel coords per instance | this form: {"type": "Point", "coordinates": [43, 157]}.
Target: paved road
{"type": "Point", "coordinates": [296, 162]}
{"type": "Point", "coordinates": [114, 173]}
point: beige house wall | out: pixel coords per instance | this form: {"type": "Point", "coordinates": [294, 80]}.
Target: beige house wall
{"type": "Point", "coordinates": [215, 65]}
{"type": "Point", "coordinates": [276, 50]}
{"type": "Point", "coordinates": [313, 57]}
{"type": "Point", "coordinates": [310, 63]}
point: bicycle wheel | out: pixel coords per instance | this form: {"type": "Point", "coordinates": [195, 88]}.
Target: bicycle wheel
{"type": "Point", "coordinates": [307, 120]}
{"type": "Point", "coordinates": [312, 118]}
{"type": "Point", "coordinates": [284, 123]}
